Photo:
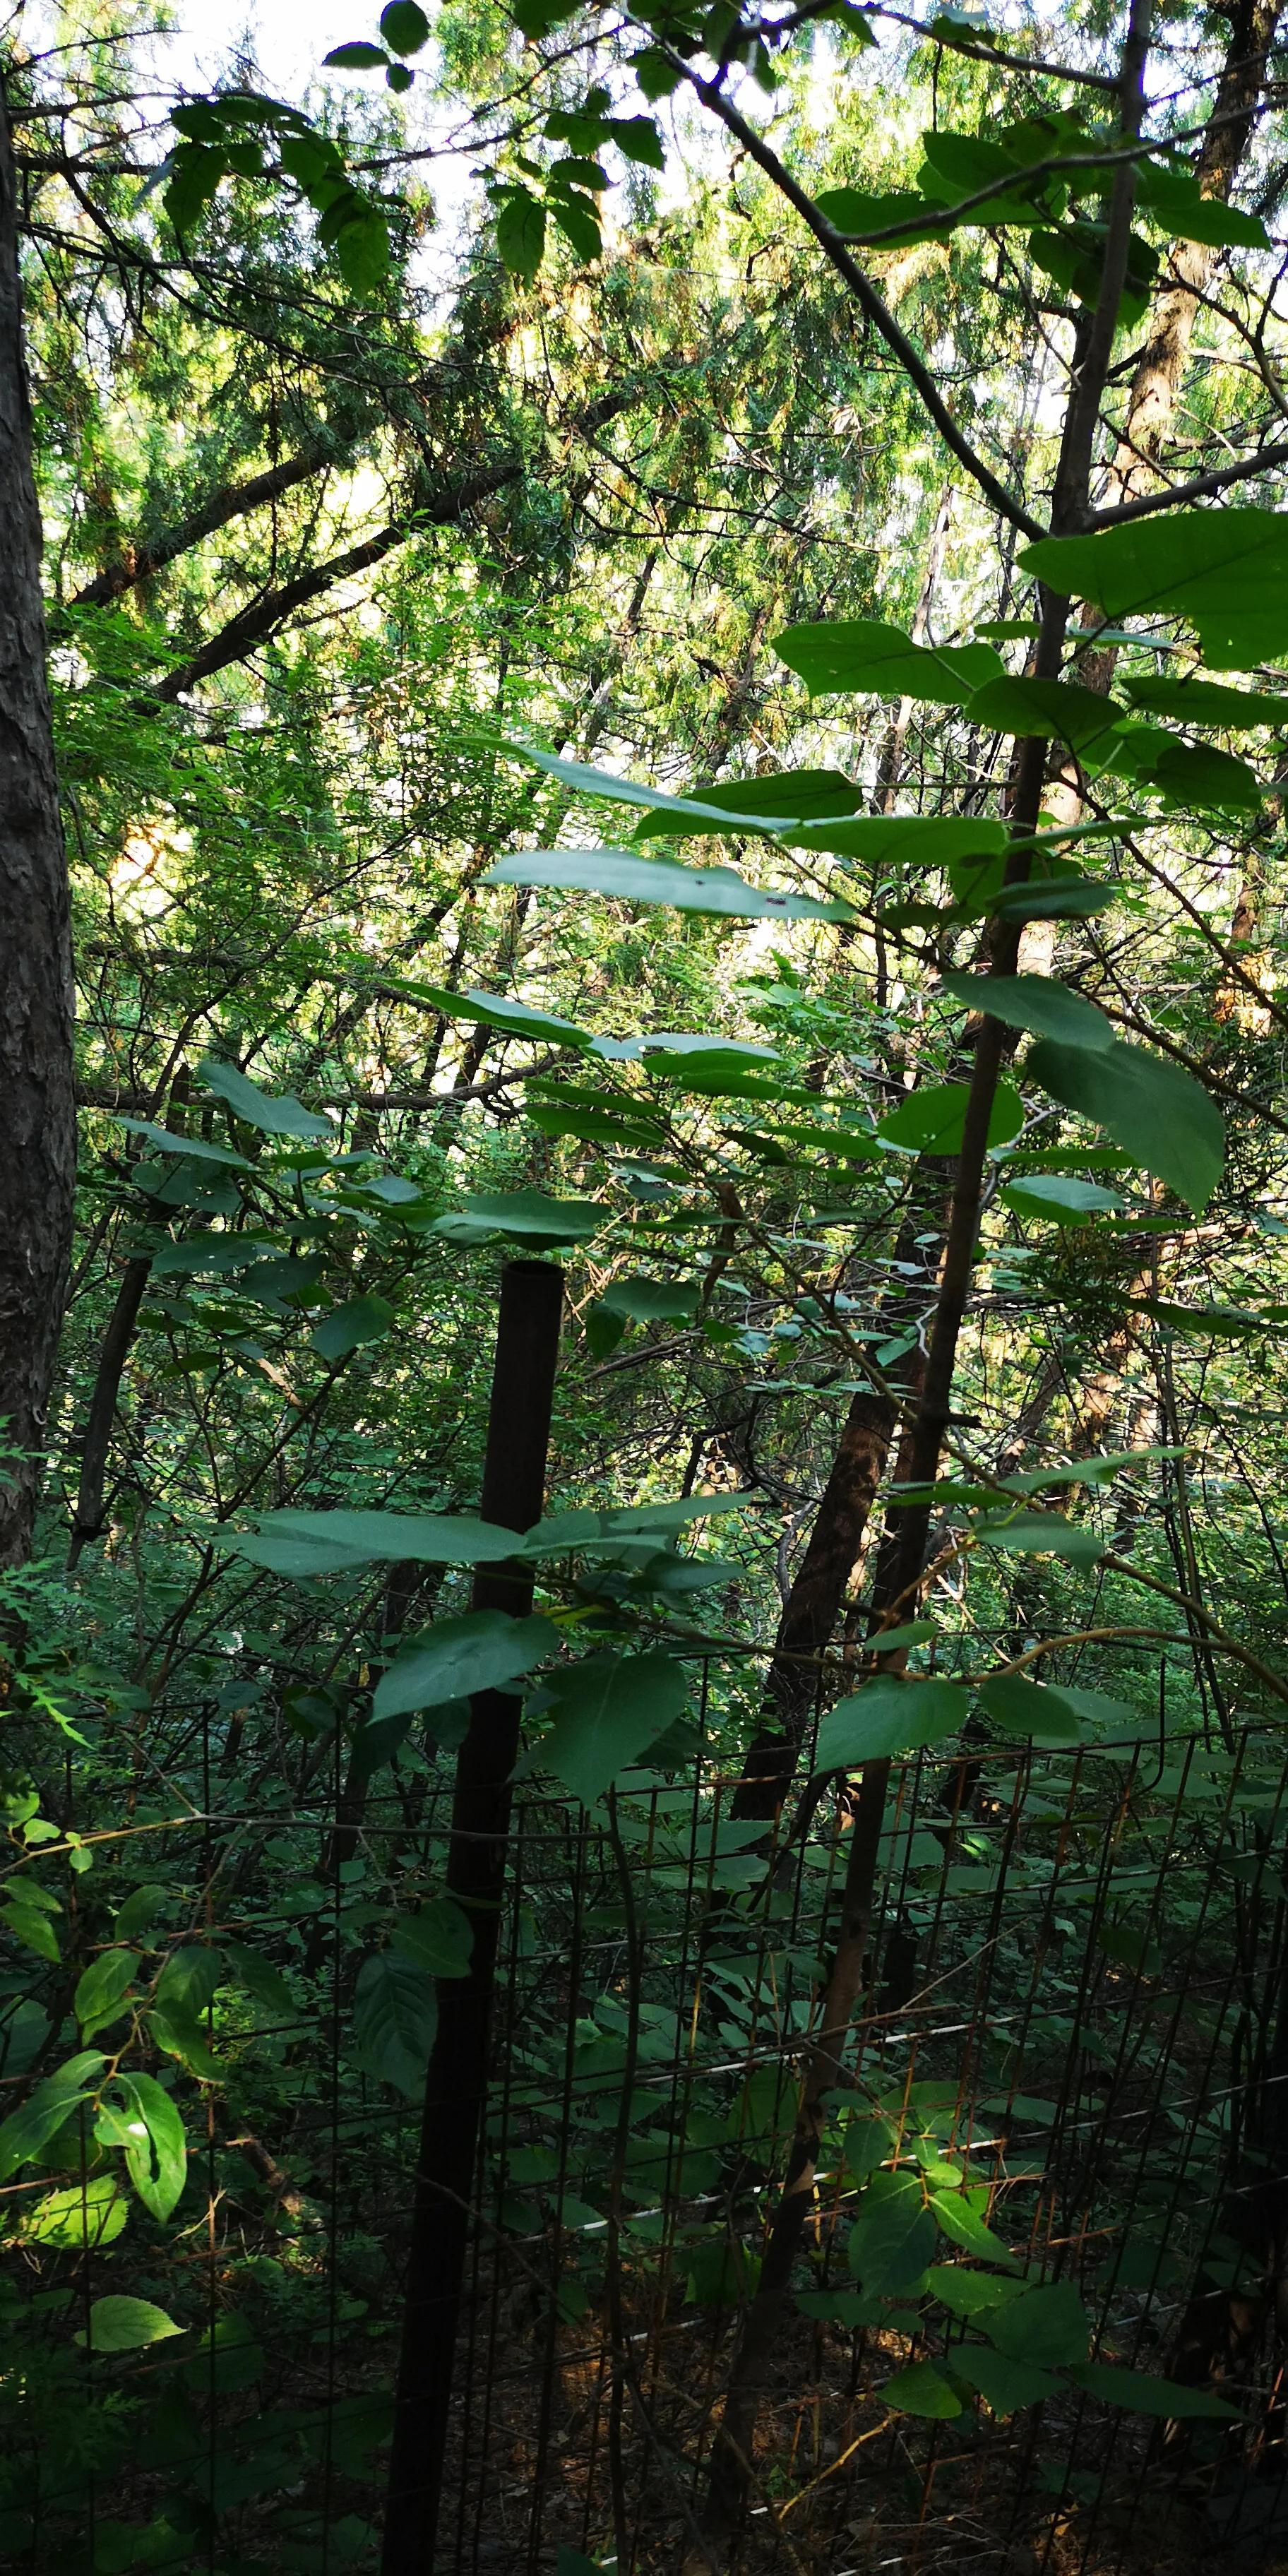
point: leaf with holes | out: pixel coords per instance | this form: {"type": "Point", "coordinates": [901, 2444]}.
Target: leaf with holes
{"type": "Point", "coordinates": [156, 2155]}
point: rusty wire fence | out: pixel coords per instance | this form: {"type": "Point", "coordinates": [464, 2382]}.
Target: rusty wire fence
{"type": "Point", "coordinates": [1074, 2032]}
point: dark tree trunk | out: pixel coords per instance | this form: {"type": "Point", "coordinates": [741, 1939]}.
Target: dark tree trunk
{"type": "Point", "coordinates": [37, 1108]}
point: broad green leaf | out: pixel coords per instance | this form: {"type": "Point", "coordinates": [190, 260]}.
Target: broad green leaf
{"type": "Point", "coordinates": [521, 233]}
{"type": "Point", "coordinates": [404, 26]}
{"type": "Point", "coordinates": [101, 1990]}
{"type": "Point", "coordinates": [126, 2325]}
{"type": "Point", "coordinates": [1142, 2393]}
{"type": "Point", "coordinates": [357, 57]}
{"type": "Point", "coordinates": [194, 1148]}
{"type": "Point", "coordinates": [921, 2389]}
{"type": "Point", "coordinates": [585, 781]}
{"type": "Point", "coordinates": [583, 1527]}
{"type": "Point", "coordinates": [1129, 1945]}
{"type": "Point", "coordinates": [607, 1712]}
{"type": "Point", "coordinates": [178, 2034]}
{"type": "Point", "coordinates": [395, 2015]}
{"type": "Point", "coordinates": [932, 1119]}
{"type": "Point", "coordinates": [1059, 1197]}
{"type": "Point", "coordinates": [893, 2236]}
{"type": "Point", "coordinates": [495, 1011]}
{"type": "Point", "coordinates": [140, 1911]}
{"type": "Point", "coordinates": [628, 878]}
{"type": "Point", "coordinates": [1226, 570]}
{"type": "Point", "coordinates": [788, 797]}
{"type": "Point", "coordinates": [595, 1126]}
{"type": "Point", "coordinates": [862, 653]}
{"type": "Point", "coordinates": [970, 2294]}
{"type": "Point", "coordinates": [1063, 708]}
{"type": "Point", "coordinates": [1023, 1707]}
{"type": "Point", "coordinates": [1059, 898]}
{"type": "Point", "coordinates": [1034, 1002]}
{"type": "Point", "coordinates": [347, 1328]}
{"type": "Point", "coordinates": [1048, 2326]}
{"type": "Point", "coordinates": [24, 1922]}
{"type": "Point", "coordinates": [30, 2128]}
{"type": "Point", "coordinates": [651, 1301]}
{"type": "Point", "coordinates": [905, 840]}
{"type": "Point", "coordinates": [963, 2223]}
{"type": "Point", "coordinates": [1154, 1109]}
{"type": "Point", "coordinates": [1192, 774]}
{"type": "Point", "coordinates": [439, 1938]}
{"type": "Point", "coordinates": [273, 1115]}
{"type": "Point", "coordinates": [303, 1543]}
{"type": "Point", "coordinates": [477, 1650]}
{"type": "Point", "coordinates": [1177, 202]}
{"type": "Point", "coordinates": [857, 215]}
{"type": "Point", "coordinates": [892, 1714]}
{"type": "Point", "coordinates": [1208, 702]}
{"type": "Point", "coordinates": [156, 2156]}
{"type": "Point", "coordinates": [1005, 2386]}
{"type": "Point", "coordinates": [1043, 1534]}
{"type": "Point", "coordinates": [79, 2219]}
{"type": "Point", "coordinates": [261, 1979]}
{"type": "Point", "coordinates": [522, 1216]}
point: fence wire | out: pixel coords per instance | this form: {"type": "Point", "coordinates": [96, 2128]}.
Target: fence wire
{"type": "Point", "coordinates": [1074, 2031]}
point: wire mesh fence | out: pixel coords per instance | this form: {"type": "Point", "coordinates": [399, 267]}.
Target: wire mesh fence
{"type": "Point", "coordinates": [1067, 2072]}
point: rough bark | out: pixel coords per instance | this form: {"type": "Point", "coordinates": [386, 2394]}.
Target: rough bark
{"type": "Point", "coordinates": [37, 1107]}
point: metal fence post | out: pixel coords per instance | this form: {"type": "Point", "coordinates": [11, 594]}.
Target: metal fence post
{"type": "Point", "coordinates": [514, 1473]}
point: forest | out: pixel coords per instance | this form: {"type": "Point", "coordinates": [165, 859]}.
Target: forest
{"type": "Point", "coordinates": [644, 1289]}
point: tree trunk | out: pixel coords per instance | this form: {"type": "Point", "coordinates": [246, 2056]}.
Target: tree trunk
{"type": "Point", "coordinates": [37, 1108]}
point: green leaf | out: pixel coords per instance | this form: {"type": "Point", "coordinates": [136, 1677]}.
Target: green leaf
{"type": "Point", "coordinates": [395, 2015]}
{"type": "Point", "coordinates": [362, 249]}
{"type": "Point", "coordinates": [1129, 1945]}
{"type": "Point", "coordinates": [399, 77]}
{"type": "Point", "coordinates": [273, 1115]}
{"type": "Point", "coordinates": [1208, 702]}
{"type": "Point", "coordinates": [637, 138]}
{"type": "Point", "coordinates": [892, 1714]}
{"type": "Point", "coordinates": [1060, 898]}
{"type": "Point", "coordinates": [30, 2128]}
{"type": "Point", "coordinates": [126, 2325]}
{"type": "Point", "coordinates": [651, 1301]}
{"type": "Point", "coordinates": [1023, 1707]}
{"type": "Point", "coordinates": [1192, 774]}
{"type": "Point", "coordinates": [1142, 2393]}
{"type": "Point", "coordinates": [303, 1543]}
{"type": "Point", "coordinates": [261, 1980]}
{"type": "Point", "coordinates": [495, 1011]}
{"type": "Point", "coordinates": [521, 233]}
{"type": "Point", "coordinates": [785, 799]}
{"type": "Point", "coordinates": [522, 1216]}
{"type": "Point", "coordinates": [156, 2157]}
{"type": "Point", "coordinates": [1063, 708]}
{"type": "Point", "coordinates": [478, 1650]}
{"type": "Point", "coordinates": [440, 1938]}
{"type": "Point", "coordinates": [921, 2389]}
{"type": "Point", "coordinates": [965, 2226]}
{"type": "Point", "coordinates": [1154, 1109]}
{"type": "Point", "coordinates": [140, 1910]}
{"type": "Point", "coordinates": [1173, 196]}
{"type": "Point", "coordinates": [1034, 1002]}
{"type": "Point", "coordinates": [1059, 1197]}
{"type": "Point", "coordinates": [607, 1712]}
{"type": "Point", "coordinates": [80, 2218]}
{"type": "Point", "coordinates": [893, 2236]}
{"type": "Point", "coordinates": [347, 1328]}
{"type": "Point", "coordinates": [25, 1923]}
{"type": "Point", "coordinates": [932, 1120]}
{"type": "Point", "coordinates": [578, 221]}
{"type": "Point", "coordinates": [356, 57]}
{"type": "Point", "coordinates": [1043, 1534]}
{"type": "Point", "coordinates": [628, 878]}
{"type": "Point", "coordinates": [1048, 2326]}
{"type": "Point", "coordinates": [857, 213]}
{"type": "Point", "coordinates": [404, 26]}
{"type": "Point", "coordinates": [905, 840]}
{"type": "Point", "coordinates": [100, 1992]}
{"type": "Point", "coordinates": [193, 1148]}
{"type": "Point", "coordinates": [970, 2294]}
{"type": "Point", "coordinates": [1226, 570]}
{"type": "Point", "coordinates": [1005, 2386]}
{"type": "Point", "coordinates": [862, 653]}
